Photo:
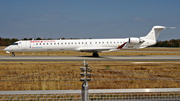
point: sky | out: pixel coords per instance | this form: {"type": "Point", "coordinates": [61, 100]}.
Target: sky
{"type": "Point", "coordinates": [88, 18]}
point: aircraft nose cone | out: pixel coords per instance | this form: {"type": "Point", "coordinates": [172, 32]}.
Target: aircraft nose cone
{"type": "Point", "coordinates": [7, 49]}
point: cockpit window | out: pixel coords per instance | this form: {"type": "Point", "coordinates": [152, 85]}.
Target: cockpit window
{"type": "Point", "coordinates": [15, 44]}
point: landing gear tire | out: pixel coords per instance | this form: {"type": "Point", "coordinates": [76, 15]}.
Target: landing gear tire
{"type": "Point", "coordinates": [95, 55]}
{"type": "Point", "coordinates": [13, 54]}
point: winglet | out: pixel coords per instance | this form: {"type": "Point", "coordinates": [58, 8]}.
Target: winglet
{"type": "Point", "coordinates": [120, 47]}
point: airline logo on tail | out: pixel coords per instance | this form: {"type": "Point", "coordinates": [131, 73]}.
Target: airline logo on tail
{"type": "Point", "coordinates": [120, 47]}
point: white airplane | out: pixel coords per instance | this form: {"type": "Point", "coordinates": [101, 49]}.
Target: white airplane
{"type": "Point", "coordinates": [94, 46]}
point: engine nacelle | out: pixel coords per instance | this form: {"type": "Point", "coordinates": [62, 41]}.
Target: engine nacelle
{"type": "Point", "coordinates": [134, 40]}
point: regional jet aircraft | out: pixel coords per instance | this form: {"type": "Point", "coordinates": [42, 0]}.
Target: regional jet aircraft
{"type": "Point", "coordinates": [94, 46]}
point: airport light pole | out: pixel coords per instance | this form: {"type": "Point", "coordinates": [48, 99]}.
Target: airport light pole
{"type": "Point", "coordinates": [85, 86]}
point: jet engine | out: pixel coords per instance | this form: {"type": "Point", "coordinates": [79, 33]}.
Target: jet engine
{"type": "Point", "coordinates": [134, 40]}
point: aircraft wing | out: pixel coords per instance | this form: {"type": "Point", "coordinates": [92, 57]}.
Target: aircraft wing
{"type": "Point", "coordinates": [94, 49]}
{"type": "Point", "coordinates": [102, 49]}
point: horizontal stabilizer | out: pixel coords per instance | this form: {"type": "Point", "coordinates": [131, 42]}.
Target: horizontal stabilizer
{"type": "Point", "coordinates": [171, 27]}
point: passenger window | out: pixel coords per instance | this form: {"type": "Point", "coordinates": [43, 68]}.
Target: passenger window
{"type": "Point", "coordinates": [68, 42]}
{"type": "Point", "coordinates": [107, 42]}
{"type": "Point", "coordinates": [39, 43]}
{"type": "Point", "coordinates": [99, 42]}
{"type": "Point", "coordinates": [51, 43]}
{"type": "Point", "coordinates": [54, 43]}
{"type": "Point", "coordinates": [71, 42]}
{"type": "Point", "coordinates": [82, 42]}
{"type": "Point", "coordinates": [36, 43]}
{"type": "Point", "coordinates": [43, 43]}
{"type": "Point", "coordinates": [90, 42]}
{"type": "Point", "coordinates": [47, 43]}
{"type": "Point", "coordinates": [95, 42]}
{"type": "Point", "coordinates": [61, 43]}
{"type": "Point", "coordinates": [86, 43]}
{"type": "Point", "coordinates": [79, 42]}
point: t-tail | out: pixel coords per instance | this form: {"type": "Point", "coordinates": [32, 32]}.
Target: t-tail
{"type": "Point", "coordinates": [151, 37]}
{"type": "Point", "coordinates": [142, 42]}
{"type": "Point", "coordinates": [154, 33]}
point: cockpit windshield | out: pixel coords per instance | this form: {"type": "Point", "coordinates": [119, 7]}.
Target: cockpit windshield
{"type": "Point", "coordinates": [15, 44]}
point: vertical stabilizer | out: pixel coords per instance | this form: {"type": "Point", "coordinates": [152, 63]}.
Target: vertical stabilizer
{"type": "Point", "coordinates": [154, 33]}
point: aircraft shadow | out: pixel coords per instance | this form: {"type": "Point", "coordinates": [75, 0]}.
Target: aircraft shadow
{"type": "Point", "coordinates": [102, 57]}
{"type": "Point", "coordinates": [91, 56]}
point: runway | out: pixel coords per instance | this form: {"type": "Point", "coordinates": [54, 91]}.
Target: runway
{"type": "Point", "coordinates": [90, 58]}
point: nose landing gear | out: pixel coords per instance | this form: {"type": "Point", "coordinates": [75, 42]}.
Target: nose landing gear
{"type": "Point", "coordinates": [13, 54]}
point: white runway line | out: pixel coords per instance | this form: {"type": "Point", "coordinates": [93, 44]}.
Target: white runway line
{"type": "Point", "coordinates": [152, 62]}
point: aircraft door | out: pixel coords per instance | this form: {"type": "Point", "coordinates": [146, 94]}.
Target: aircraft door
{"type": "Point", "coordinates": [19, 45]}
{"type": "Point", "coordinates": [24, 45]}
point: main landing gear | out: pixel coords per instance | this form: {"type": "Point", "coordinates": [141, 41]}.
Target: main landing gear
{"type": "Point", "coordinates": [95, 54]}
{"type": "Point", "coordinates": [13, 54]}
